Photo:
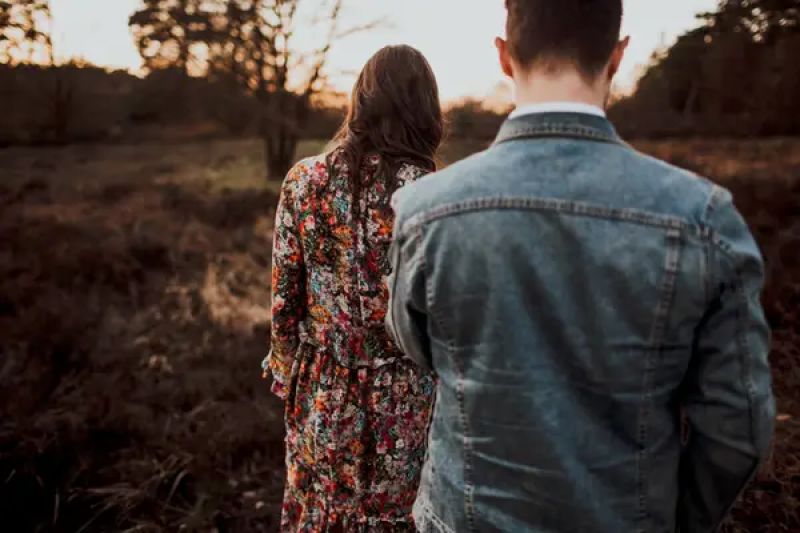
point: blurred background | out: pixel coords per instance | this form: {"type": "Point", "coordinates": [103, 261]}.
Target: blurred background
{"type": "Point", "coordinates": [142, 144]}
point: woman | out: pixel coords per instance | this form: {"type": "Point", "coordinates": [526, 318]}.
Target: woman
{"type": "Point", "coordinates": [356, 410]}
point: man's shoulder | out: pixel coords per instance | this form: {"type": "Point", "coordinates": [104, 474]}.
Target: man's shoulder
{"type": "Point", "coordinates": [668, 171]}
{"type": "Point", "coordinates": [686, 192]}
{"type": "Point", "coordinates": [705, 204]}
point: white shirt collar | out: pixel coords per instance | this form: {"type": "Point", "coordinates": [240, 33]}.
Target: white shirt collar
{"type": "Point", "coordinates": [557, 107]}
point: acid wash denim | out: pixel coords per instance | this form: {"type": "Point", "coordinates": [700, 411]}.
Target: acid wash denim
{"type": "Point", "coordinates": [577, 301]}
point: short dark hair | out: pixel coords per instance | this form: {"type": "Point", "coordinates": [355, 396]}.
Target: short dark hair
{"type": "Point", "coordinates": [551, 33]}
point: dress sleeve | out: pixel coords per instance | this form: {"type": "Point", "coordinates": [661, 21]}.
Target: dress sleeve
{"type": "Point", "coordinates": [288, 289]}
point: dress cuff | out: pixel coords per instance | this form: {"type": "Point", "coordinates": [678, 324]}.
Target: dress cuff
{"type": "Point", "coordinates": [281, 374]}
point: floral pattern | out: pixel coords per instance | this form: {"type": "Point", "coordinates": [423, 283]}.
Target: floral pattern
{"type": "Point", "coordinates": [356, 409]}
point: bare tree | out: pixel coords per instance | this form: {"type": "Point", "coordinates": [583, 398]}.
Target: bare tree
{"type": "Point", "coordinates": [251, 43]}
{"type": "Point", "coordinates": [166, 30]}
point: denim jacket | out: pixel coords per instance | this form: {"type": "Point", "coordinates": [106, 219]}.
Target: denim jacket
{"type": "Point", "coordinates": [580, 304]}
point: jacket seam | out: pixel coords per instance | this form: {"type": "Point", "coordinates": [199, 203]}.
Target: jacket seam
{"type": "Point", "coordinates": [744, 358]}
{"type": "Point", "coordinates": [715, 243]}
{"type": "Point", "coordinates": [657, 334]}
{"type": "Point", "coordinates": [715, 193]}
{"type": "Point", "coordinates": [584, 209]}
{"type": "Point", "coordinates": [395, 283]}
{"type": "Point", "coordinates": [708, 234]}
{"type": "Point", "coordinates": [715, 240]}
{"type": "Point", "coordinates": [512, 132]}
{"type": "Point", "coordinates": [572, 133]}
{"type": "Point", "coordinates": [705, 239]}
{"type": "Point", "coordinates": [469, 489]}
{"type": "Point", "coordinates": [745, 354]}
{"type": "Point", "coordinates": [430, 303]}
{"type": "Point", "coordinates": [437, 521]}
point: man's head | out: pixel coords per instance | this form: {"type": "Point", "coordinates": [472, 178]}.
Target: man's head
{"type": "Point", "coordinates": [550, 37]}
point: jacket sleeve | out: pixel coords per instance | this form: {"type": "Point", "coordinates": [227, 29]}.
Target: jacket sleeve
{"type": "Point", "coordinates": [407, 319]}
{"type": "Point", "coordinates": [729, 402]}
{"type": "Point", "coordinates": [288, 290]}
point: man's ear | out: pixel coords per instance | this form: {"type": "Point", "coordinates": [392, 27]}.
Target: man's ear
{"type": "Point", "coordinates": [617, 56]}
{"type": "Point", "coordinates": [504, 56]}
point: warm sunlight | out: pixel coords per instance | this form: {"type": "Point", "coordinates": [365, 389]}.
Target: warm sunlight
{"type": "Point", "coordinates": [455, 35]}
{"type": "Point", "coordinates": [317, 265]}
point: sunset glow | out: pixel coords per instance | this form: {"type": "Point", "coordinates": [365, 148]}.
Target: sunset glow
{"type": "Point", "coordinates": [456, 36]}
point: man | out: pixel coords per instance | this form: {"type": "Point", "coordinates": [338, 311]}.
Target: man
{"type": "Point", "coordinates": [574, 298]}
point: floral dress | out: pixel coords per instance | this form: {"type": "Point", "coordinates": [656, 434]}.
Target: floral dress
{"type": "Point", "coordinates": [356, 410]}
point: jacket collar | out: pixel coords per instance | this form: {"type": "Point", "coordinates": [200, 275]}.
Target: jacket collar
{"type": "Point", "coordinates": [560, 124]}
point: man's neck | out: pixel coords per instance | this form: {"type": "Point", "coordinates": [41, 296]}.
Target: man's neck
{"type": "Point", "coordinates": [543, 88]}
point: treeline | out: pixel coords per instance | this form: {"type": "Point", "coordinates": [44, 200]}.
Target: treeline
{"type": "Point", "coordinates": [69, 103]}
{"type": "Point", "coordinates": [221, 67]}
{"type": "Point", "coordinates": [84, 103]}
{"type": "Point", "coordinates": [737, 74]}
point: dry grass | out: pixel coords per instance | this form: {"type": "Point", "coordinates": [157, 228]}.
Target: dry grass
{"type": "Point", "coordinates": [133, 294]}
{"type": "Point", "coordinates": [131, 397]}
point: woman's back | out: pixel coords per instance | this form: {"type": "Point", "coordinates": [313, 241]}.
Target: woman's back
{"type": "Point", "coordinates": [344, 246]}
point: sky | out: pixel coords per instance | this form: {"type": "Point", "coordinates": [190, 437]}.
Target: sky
{"type": "Point", "coordinates": [460, 47]}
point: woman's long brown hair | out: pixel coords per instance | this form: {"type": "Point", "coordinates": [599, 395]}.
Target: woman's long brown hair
{"type": "Point", "coordinates": [395, 113]}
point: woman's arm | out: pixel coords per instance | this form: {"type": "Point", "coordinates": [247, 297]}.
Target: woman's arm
{"type": "Point", "coordinates": [288, 288]}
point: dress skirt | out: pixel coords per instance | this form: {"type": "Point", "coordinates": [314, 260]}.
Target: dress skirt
{"type": "Point", "coordinates": [355, 444]}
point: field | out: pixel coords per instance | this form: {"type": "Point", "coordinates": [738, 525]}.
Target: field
{"type": "Point", "coordinates": [134, 295]}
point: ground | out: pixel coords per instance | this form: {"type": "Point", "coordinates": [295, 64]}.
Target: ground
{"type": "Point", "coordinates": [134, 314]}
